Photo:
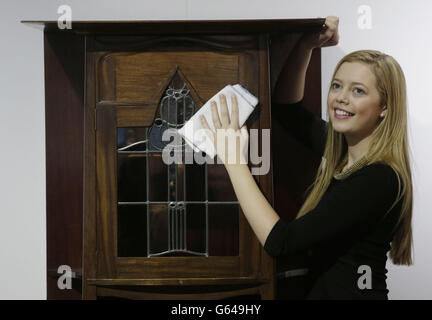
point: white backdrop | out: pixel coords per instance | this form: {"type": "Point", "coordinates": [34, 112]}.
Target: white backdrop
{"type": "Point", "coordinates": [399, 28]}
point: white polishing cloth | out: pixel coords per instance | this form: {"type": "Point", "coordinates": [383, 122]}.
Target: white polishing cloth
{"type": "Point", "coordinates": [193, 132]}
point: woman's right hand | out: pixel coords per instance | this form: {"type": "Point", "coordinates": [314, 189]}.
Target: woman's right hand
{"type": "Point", "coordinates": [326, 37]}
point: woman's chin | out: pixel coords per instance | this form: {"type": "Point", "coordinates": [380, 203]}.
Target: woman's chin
{"type": "Point", "coordinates": [343, 130]}
{"type": "Point", "coordinates": [338, 127]}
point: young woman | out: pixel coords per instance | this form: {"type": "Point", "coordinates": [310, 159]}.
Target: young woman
{"type": "Point", "coordinates": [360, 204]}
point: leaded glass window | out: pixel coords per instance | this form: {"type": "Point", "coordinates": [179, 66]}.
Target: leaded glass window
{"type": "Point", "coordinates": [178, 209]}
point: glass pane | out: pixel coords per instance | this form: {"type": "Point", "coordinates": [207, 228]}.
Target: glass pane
{"type": "Point", "coordinates": [158, 178]}
{"type": "Point", "coordinates": [196, 228]}
{"type": "Point", "coordinates": [195, 176]}
{"type": "Point", "coordinates": [176, 182]}
{"type": "Point", "coordinates": [132, 234]}
{"type": "Point", "coordinates": [178, 229]}
{"type": "Point", "coordinates": [131, 177]}
{"type": "Point", "coordinates": [223, 229]}
{"type": "Point", "coordinates": [158, 231]}
{"type": "Point", "coordinates": [177, 106]}
{"type": "Point", "coordinates": [155, 134]}
{"type": "Point", "coordinates": [169, 108]}
{"type": "Point", "coordinates": [219, 185]}
{"type": "Point", "coordinates": [131, 139]}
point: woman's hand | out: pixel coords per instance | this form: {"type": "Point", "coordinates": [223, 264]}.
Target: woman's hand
{"type": "Point", "coordinates": [226, 127]}
{"type": "Point", "coordinates": [328, 36]}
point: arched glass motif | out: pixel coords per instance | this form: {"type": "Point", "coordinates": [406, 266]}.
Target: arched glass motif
{"type": "Point", "coordinates": [176, 107]}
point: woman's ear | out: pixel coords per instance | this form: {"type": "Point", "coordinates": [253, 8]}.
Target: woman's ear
{"type": "Point", "coordinates": [384, 112]}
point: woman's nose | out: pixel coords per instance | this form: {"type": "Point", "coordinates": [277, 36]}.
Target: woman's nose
{"type": "Point", "coordinates": [342, 97]}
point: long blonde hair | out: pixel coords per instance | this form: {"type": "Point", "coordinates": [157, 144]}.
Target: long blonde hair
{"type": "Point", "coordinates": [389, 144]}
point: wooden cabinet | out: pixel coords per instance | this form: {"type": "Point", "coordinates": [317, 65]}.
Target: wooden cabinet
{"type": "Point", "coordinates": [128, 224]}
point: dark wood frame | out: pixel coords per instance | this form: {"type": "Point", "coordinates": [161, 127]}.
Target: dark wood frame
{"type": "Point", "coordinates": [71, 144]}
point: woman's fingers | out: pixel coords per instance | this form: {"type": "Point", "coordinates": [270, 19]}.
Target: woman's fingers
{"type": "Point", "coordinates": [227, 130]}
{"type": "Point", "coordinates": [332, 22]}
{"type": "Point", "coordinates": [224, 111]}
{"type": "Point", "coordinates": [244, 131]}
{"type": "Point", "coordinates": [234, 113]}
{"type": "Point", "coordinates": [331, 34]}
{"type": "Point", "coordinates": [206, 127]}
{"type": "Point", "coordinates": [332, 41]}
{"type": "Point", "coordinates": [224, 121]}
{"type": "Point", "coordinates": [327, 36]}
{"type": "Point", "coordinates": [215, 115]}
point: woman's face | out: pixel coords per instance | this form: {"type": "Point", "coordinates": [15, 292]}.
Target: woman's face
{"type": "Point", "coordinates": [354, 90]}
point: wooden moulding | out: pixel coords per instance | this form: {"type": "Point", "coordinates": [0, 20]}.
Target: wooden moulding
{"type": "Point", "coordinates": [243, 26]}
{"type": "Point", "coordinates": [176, 281]}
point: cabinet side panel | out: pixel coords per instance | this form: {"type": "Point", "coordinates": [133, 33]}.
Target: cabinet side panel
{"type": "Point", "coordinates": [64, 107]}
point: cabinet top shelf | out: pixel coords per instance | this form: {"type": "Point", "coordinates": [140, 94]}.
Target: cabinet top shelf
{"type": "Point", "coordinates": [248, 26]}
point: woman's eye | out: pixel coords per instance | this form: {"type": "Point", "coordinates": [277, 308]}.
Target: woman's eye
{"type": "Point", "coordinates": [359, 90]}
{"type": "Point", "coordinates": [334, 84]}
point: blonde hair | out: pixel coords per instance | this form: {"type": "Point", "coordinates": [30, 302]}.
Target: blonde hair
{"type": "Point", "coordinates": [389, 143]}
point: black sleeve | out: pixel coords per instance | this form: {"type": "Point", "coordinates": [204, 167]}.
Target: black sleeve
{"type": "Point", "coordinates": [302, 124]}
{"type": "Point", "coordinates": [351, 207]}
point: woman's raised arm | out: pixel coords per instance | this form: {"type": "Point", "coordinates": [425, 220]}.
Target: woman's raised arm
{"type": "Point", "coordinates": [291, 81]}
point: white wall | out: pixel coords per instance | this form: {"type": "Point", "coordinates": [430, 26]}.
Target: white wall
{"type": "Point", "coordinates": [398, 28]}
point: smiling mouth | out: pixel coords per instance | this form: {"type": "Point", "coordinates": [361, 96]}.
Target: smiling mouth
{"type": "Point", "coordinates": [342, 114]}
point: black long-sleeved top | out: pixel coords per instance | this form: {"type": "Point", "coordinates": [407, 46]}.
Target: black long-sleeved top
{"type": "Point", "coordinates": [349, 227]}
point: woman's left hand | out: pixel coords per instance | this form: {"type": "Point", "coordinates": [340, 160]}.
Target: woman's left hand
{"type": "Point", "coordinates": [226, 127]}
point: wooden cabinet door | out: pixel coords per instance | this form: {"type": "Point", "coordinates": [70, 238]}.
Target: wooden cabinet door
{"type": "Point", "coordinates": [168, 221]}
